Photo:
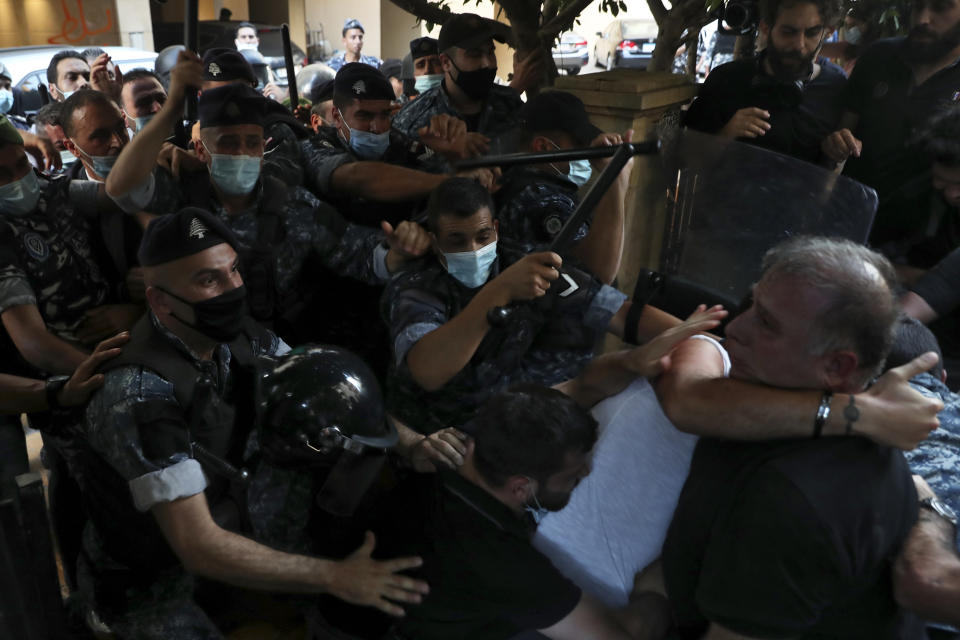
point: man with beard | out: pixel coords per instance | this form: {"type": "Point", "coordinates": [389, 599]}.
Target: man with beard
{"type": "Point", "coordinates": [783, 99]}
{"type": "Point", "coordinates": [897, 86]}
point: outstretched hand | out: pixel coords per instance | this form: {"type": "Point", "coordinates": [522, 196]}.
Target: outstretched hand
{"type": "Point", "coordinates": [653, 358]}
{"type": "Point", "coordinates": [85, 379]}
{"type": "Point", "coordinates": [359, 579]}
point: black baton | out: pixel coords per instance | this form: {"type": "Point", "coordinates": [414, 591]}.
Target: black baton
{"type": "Point", "coordinates": [621, 155]}
{"type": "Point", "coordinates": [288, 59]}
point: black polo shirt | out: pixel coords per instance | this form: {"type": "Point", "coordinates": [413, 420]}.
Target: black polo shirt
{"type": "Point", "coordinates": [790, 539]}
{"type": "Point", "coordinates": [891, 108]}
{"type": "Point", "coordinates": [799, 118]}
{"type": "Point", "coordinates": [486, 580]}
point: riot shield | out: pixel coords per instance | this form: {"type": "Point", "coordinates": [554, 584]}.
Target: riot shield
{"type": "Point", "coordinates": [729, 202]}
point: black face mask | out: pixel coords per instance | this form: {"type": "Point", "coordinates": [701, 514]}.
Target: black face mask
{"type": "Point", "coordinates": [219, 318]}
{"type": "Point", "coordinates": [477, 83]}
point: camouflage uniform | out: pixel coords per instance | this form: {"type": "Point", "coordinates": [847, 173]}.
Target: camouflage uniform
{"type": "Point", "coordinates": [532, 207]}
{"type": "Point", "coordinates": [312, 236]}
{"type": "Point", "coordinates": [325, 152]}
{"type": "Point", "coordinates": [937, 459]}
{"type": "Point", "coordinates": [339, 60]}
{"type": "Point", "coordinates": [500, 113]}
{"type": "Point", "coordinates": [543, 346]}
{"type": "Point", "coordinates": [47, 260]}
{"type": "Point", "coordinates": [140, 451]}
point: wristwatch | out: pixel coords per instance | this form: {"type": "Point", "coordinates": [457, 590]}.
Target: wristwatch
{"type": "Point", "coordinates": [942, 509]}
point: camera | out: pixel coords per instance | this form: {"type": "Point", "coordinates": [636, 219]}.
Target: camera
{"type": "Point", "coordinates": [739, 16]}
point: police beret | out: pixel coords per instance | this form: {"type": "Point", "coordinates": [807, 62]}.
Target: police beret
{"type": "Point", "coordinates": [558, 111]}
{"type": "Point", "coordinates": [352, 23]}
{"type": "Point", "coordinates": [467, 30]}
{"type": "Point", "coordinates": [425, 46]}
{"type": "Point", "coordinates": [362, 82]}
{"type": "Point", "coordinates": [231, 104]}
{"type": "Point", "coordinates": [221, 64]}
{"type": "Point", "coordinates": [391, 68]}
{"type": "Point", "coordinates": [181, 234]}
{"type": "Point", "coordinates": [322, 91]}
{"type": "Point", "coordinates": [8, 132]}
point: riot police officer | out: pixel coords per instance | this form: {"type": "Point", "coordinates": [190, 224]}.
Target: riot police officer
{"type": "Point", "coordinates": [166, 473]}
{"type": "Point", "coordinates": [282, 229]}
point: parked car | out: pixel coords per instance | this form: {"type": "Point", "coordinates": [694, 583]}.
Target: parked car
{"type": "Point", "coordinates": [28, 66]}
{"type": "Point", "coordinates": [626, 43]}
{"type": "Point", "coordinates": [571, 53]}
{"type": "Point", "coordinates": [216, 33]}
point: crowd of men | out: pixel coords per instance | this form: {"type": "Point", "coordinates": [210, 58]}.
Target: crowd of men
{"type": "Point", "coordinates": [162, 282]}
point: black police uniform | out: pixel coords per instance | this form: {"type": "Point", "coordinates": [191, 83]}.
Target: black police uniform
{"type": "Point", "coordinates": [538, 346]}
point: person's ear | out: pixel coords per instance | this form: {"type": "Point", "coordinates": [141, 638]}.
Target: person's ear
{"type": "Point", "coordinates": [70, 146]}
{"type": "Point", "coordinates": [764, 28]}
{"type": "Point", "coordinates": [840, 368]}
{"type": "Point", "coordinates": [315, 122]}
{"type": "Point", "coordinates": [445, 62]}
{"type": "Point", "coordinates": [540, 144]}
{"type": "Point", "coordinates": [158, 301]}
{"type": "Point", "coordinates": [520, 488]}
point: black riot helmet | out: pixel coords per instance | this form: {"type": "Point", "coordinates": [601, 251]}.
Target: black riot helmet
{"type": "Point", "coordinates": [165, 62]}
{"type": "Point", "coordinates": [321, 406]}
{"type": "Point", "coordinates": [260, 67]}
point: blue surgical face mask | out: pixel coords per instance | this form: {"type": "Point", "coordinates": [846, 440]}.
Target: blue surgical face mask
{"type": "Point", "coordinates": [234, 175]}
{"type": "Point", "coordinates": [6, 100]}
{"type": "Point", "coordinates": [20, 197]}
{"type": "Point", "coordinates": [472, 268]}
{"type": "Point", "coordinates": [66, 94]}
{"type": "Point", "coordinates": [141, 121]}
{"type": "Point", "coordinates": [66, 157]}
{"type": "Point", "coordinates": [427, 82]}
{"type": "Point", "coordinates": [101, 164]}
{"type": "Point", "coordinates": [853, 35]}
{"type": "Point", "coordinates": [367, 146]}
{"type": "Point", "coordinates": [580, 172]}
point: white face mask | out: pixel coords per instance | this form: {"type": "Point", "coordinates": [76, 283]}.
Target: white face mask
{"type": "Point", "coordinates": [246, 46]}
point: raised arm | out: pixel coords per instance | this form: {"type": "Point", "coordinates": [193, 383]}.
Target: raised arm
{"type": "Point", "coordinates": [697, 399]}
{"type": "Point", "coordinates": [139, 157]}
{"type": "Point", "coordinates": [383, 182]}
{"type": "Point", "coordinates": [441, 354]}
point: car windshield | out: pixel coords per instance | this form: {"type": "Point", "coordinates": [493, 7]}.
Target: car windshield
{"type": "Point", "coordinates": [639, 29]}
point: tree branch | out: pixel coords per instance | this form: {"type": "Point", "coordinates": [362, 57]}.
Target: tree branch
{"type": "Point", "coordinates": [658, 10]}
{"type": "Point", "coordinates": [424, 10]}
{"type": "Point", "coordinates": [564, 19]}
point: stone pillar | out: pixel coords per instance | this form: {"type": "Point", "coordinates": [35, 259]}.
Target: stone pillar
{"type": "Point", "coordinates": [629, 99]}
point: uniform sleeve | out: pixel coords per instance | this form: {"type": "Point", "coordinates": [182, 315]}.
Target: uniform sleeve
{"type": "Point", "coordinates": [348, 249]}
{"type": "Point", "coordinates": [940, 287]}
{"type": "Point", "coordinates": [137, 427]}
{"type": "Point", "coordinates": [321, 159]}
{"type": "Point", "coordinates": [15, 288]}
{"type": "Point", "coordinates": [160, 194]}
{"type": "Point", "coordinates": [772, 565]}
{"type": "Point", "coordinates": [857, 94]}
{"type": "Point", "coordinates": [413, 313]}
